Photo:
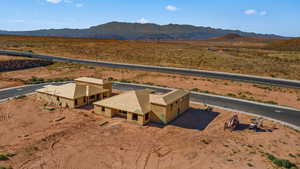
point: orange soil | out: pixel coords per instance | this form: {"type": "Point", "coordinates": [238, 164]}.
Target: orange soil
{"type": "Point", "coordinates": [282, 96]}
{"type": "Point", "coordinates": [195, 140]}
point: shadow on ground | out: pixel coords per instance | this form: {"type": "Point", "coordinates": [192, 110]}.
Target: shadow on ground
{"type": "Point", "coordinates": [195, 119]}
{"type": "Point", "coordinates": [241, 127]}
{"type": "Point", "coordinates": [87, 107]}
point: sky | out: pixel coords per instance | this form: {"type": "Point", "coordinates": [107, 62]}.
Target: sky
{"type": "Point", "coordinates": [280, 17]}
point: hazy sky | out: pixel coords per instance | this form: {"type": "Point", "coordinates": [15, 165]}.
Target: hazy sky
{"type": "Point", "coordinates": [262, 16]}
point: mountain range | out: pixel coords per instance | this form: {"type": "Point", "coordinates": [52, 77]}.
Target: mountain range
{"type": "Point", "coordinates": [138, 31]}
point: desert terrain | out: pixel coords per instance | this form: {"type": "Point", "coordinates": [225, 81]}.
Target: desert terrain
{"type": "Point", "coordinates": [61, 71]}
{"type": "Point", "coordinates": [228, 54]}
{"type": "Point", "coordinates": [34, 136]}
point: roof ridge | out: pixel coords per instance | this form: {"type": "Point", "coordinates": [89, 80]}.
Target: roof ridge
{"type": "Point", "coordinates": [139, 99]}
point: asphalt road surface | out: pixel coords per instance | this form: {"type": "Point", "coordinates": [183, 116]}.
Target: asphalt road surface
{"type": "Point", "coordinates": [287, 115]}
{"type": "Point", "coordinates": [219, 75]}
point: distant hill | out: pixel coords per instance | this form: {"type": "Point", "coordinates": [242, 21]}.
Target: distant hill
{"type": "Point", "coordinates": [288, 44]}
{"type": "Point", "coordinates": [137, 31]}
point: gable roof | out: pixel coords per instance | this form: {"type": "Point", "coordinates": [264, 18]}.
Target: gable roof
{"type": "Point", "coordinates": [70, 90]}
{"type": "Point", "coordinates": [168, 98]}
{"type": "Point", "coordinates": [92, 80]}
{"type": "Point", "coordinates": [136, 101]}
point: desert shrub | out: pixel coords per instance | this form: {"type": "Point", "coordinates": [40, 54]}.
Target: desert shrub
{"type": "Point", "coordinates": [231, 95]}
{"type": "Point", "coordinates": [281, 162]}
{"type": "Point", "coordinates": [35, 80]}
{"type": "Point", "coordinates": [125, 81]}
{"type": "Point", "coordinates": [4, 167]}
{"type": "Point", "coordinates": [250, 165]}
{"type": "Point", "coordinates": [59, 79]}
{"type": "Point", "coordinates": [195, 89]}
{"type": "Point", "coordinates": [205, 141]}
{"type": "Point", "coordinates": [3, 157]}
{"type": "Point", "coordinates": [262, 87]}
{"type": "Point", "coordinates": [149, 83]}
{"type": "Point", "coordinates": [292, 155]}
{"type": "Point", "coordinates": [110, 78]}
{"type": "Point", "coordinates": [270, 102]}
{"type": "Point", "coordinates": [205, 91]}
{"type": "Point", "coordinates": [271, 157]}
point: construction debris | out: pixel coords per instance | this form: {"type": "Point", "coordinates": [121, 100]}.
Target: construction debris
{"type": "Point", "coordinates": [102, 123]}
{"type": "Point", "coordinates": [60, 118]}
{"type": "Point", "coordinates": [49, 108]}
{"type": "Point", "coordinates": [232, 123]}
{"type": "Point", "coordinates": [256, 124]}
{"type": "Point", "coordinates": [208, 108]}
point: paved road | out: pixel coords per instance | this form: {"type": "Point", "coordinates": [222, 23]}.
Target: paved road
{"type": "Point", "coordinates": [219, 75]}
{"type": "Point", "coordinates": [287, 115]}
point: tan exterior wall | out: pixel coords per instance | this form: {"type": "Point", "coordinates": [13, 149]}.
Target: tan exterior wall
{"type": "Point", "coordinates": [140, 120]}
{"type": "Point", "coordinates": [104, 86]}
{"type": "Point", "coordinates": [97, 109]}
{"type": "Point", "coordinates": [112, 112]}
{"type": "Point", "coordinates": [108, 112]}
{"type": "Point", "coordinates": [158, 114]}
{"type": "Point", "coordinates": [60, 101]}
{"type": "Point", "coordinates": [66, 103]}
{"type": "Point", "coordinates": [177, 108]}
{"type": "Point", "coordinates": [165, 114]}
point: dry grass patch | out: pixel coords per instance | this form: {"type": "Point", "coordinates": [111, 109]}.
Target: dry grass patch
{"type": "Point", "coordinates": [247, 57]}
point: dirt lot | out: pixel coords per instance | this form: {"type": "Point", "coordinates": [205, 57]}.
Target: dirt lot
{"type": "Point", "coordinates": [245, 56]}
{"type": "Point", "coordinates": [281, 96]}
{"type": "Point", "coordinates": [194, 140]}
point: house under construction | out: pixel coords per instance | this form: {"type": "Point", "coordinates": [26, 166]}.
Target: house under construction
{"type": "Point", "coordinates": [138, 106]}
{"type": "Point", "coordinates": [84, 91]}
{"type": "Point", "coordinates": [142, 106]}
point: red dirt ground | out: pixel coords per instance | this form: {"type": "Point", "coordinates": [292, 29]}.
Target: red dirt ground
{"type": "Point", "coordinates": [282, 96]}
{"type": "Point", "coordinates": [194, 140]}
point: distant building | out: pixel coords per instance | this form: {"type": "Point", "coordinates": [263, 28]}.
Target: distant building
{"type": "Point", "coordinates": [142, 106]}
{"type": "Point", "coordinates": [84, 91]}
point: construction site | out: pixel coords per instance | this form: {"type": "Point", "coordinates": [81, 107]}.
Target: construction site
{"type": "Point", "coordinates": [136, 106]}
{"type": "Point", "coordinates": [112, 130]}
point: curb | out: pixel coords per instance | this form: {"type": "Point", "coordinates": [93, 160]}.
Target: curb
{"type": "Point", "coordinates": [224, 97]}
{"type": "Point", "coordinates": [11, 98]}
{"type": "Point", "coordinates": [239, 77]}
{"type": "Point", "coordinates": [166, 88]}
{"type": "Point", "coordinates": [252, 114]}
